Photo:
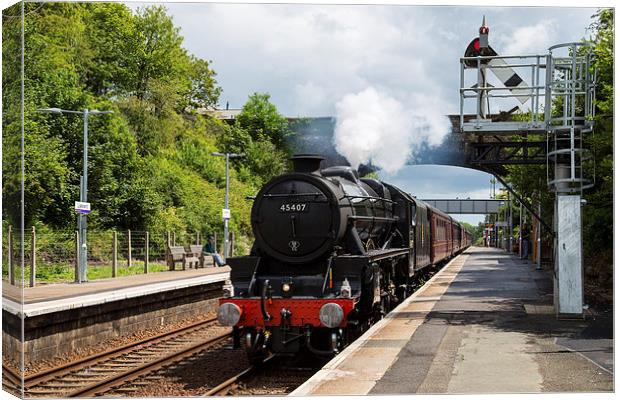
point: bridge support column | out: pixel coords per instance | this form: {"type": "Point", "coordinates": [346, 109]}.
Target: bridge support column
{"type": "Point", "coordinates": [568, 277]}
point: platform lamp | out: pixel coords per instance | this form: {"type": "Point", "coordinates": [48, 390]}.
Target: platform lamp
{"type": "Point", "coordinates": [82, 259]}
{"type": "Point", "coordinates": [226, 210]}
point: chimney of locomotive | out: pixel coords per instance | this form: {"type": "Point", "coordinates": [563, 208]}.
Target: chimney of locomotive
{"type": "Point", "coordinates": [307, 163]}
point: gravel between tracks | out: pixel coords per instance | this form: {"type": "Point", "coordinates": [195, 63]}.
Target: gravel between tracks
{"type": "Point", "coordinates": [276, 381]}
{"type": "Point", "coordinates": [195, 376]}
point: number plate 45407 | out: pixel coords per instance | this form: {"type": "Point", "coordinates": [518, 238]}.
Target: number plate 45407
{"type": "Point", "coordinates": [294, 207]}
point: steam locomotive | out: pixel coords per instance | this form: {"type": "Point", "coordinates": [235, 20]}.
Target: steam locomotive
{"type": "Point", "coordinates": [333, 253]}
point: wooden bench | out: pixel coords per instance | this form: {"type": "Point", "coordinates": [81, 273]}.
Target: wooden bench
{"type": "Point", "coordinates": [178, 254]}
{"type": "Point", "coordinates": [203, 260]}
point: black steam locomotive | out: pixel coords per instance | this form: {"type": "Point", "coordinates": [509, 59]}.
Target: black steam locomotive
{"type": "Point", "coordinates": [333, 253]}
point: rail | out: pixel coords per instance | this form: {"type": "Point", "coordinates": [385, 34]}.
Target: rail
{"type": "Point", "coordinates": [98, 377]}
{"type": "Point", "coordinates": [106, 385]}
{"type": "Point", "coordinates": [229, 384]}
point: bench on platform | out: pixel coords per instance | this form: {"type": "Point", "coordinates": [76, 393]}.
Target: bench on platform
{"type": "Point", "coordinates": [203, 260]}
{"type": "Point", "coordinates": [178, 254]}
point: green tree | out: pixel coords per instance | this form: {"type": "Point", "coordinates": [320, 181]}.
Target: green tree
{"type": "Point", "coordinates": [157, 55]}
{"type": "Point", "coordinates": [204, 91]}
{"type": "Point", "coordinates": [598, 211]}
{"type": "Point", "coordinates": [261, 119]}
{"type": "Point", "coordinates": [111, 38]}
{"type": "Point", "coordinates": [149, 162]}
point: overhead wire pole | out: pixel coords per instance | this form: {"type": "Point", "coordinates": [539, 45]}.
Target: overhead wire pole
{"type": "Point", "coordinates": [226, 210]}
{"type": "Point", "coordinates": [83, 247]}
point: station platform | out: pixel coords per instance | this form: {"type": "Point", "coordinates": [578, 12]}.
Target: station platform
{"type": "Point", "coordinates": [56, 319]}
{"type": "Point", "coordinates": [29, 302]}
{"type": "Point", "coordinates": [485, 323]}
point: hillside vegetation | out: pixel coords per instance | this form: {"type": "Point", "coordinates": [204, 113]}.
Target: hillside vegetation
{"type": "Point", "coordinates": [150, 162]}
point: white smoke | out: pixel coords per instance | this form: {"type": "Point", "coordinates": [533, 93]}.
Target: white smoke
{"type": "Point", "coordinates": [374, 127]}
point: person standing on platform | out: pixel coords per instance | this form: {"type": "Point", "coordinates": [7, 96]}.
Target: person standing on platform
{"type": "Point", "coordinates": [210, 250]}
{"type": "Point", "coordinates": [525, 242]}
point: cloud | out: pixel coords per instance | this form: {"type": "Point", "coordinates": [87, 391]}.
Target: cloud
{"type": "Point", "coordinates": [308, 57]}
{"type": "Point", "coordinates": [531, 39]}
{"type": "Point", "coordinates": [305, 53]}
{"type": "Point", "coordinates": [310, 97]}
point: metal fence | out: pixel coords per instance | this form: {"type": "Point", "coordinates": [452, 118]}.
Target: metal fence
{"type": "Point", "coordinates": [52, 256]}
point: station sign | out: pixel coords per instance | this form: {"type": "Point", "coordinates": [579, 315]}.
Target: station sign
{"type": "Point", "coordinates": [225, 213]}
{"type": "Point", "coordinates": [82, 207]}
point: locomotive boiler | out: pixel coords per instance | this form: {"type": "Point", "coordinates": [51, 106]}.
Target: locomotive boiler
{"type": "Point", "coordinates": [333, 253]}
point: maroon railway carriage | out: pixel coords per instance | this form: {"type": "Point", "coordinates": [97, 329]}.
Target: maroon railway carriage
{"type": "Point", "coordinates": [441, 232]}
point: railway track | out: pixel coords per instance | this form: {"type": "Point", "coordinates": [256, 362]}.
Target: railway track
{"type": "Point", "coordinates": [106, 371]}
{"type": "Point", "coordinates": [233, 382]}
{"type": "Point", "coordinates": [270, 378]}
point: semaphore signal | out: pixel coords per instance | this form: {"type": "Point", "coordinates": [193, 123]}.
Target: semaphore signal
{"type": "Point", "coordinates": [479, 47]}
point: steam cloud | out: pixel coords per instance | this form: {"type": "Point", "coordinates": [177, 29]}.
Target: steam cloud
{"type": "Point", "coordinates": [374, 127]}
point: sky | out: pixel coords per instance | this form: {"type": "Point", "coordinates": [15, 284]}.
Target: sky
{"type": "Point", "coordinates": [310, 57]}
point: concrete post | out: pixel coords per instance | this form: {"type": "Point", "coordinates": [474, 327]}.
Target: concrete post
{"type": "Point", "coordinates": [232, 243]}
{"type": "Point", "coordinates": [114, 254]}
{"type": "Point", "coordinates": [33, 258]}
{"type": "Point", "coordinates": [128, 248]}
{"type": "Point", "coordinates": [198, 238]}
{"type": "Point", "coordinates": [77, 256]}
{"type": "Point", "coordinates": [510, 222]}
{"type": "Point", "coordinates": [569, 262]}
{"type": "Point", "coordinates": [520, 230]}
{"type": "Point", "coordinates": [168, 244]}
{"type": "Point", "coordinates": [10, 254]}
{"type": "Point", "coordinates": [538, 236]}
{"type": "Point", "coordinates": [146, 252]}
{"type": "Point", "coordinates": [174, 238]}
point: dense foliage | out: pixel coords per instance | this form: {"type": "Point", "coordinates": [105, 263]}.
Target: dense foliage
{"type": "Point", "coordinates": [150, 163]}
{"type": "Point", "coordinates": [530, 181]}
{"type": "Point", "coordinates": [598, 212]}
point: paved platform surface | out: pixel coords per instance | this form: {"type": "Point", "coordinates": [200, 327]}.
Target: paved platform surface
{"type": "Point", "coordinates": [484, 324]}
{"type": "Point", "coordinates": [57, 297]}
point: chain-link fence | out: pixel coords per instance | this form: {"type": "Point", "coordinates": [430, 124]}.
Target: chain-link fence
{"type": "Point", "coordinates": [109, 253]}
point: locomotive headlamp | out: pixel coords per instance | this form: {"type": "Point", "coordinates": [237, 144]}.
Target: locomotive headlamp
{"type": "Point", "coordinates": [331, 315]}
{"type": "Point", "coordinates": [345, 289]}
{"type": "Point", "coordinates": [228, 288]}
{"type": "Point", "coordinates": [287, 287]}
{"type": "Point", "coordinates": [229, 314]}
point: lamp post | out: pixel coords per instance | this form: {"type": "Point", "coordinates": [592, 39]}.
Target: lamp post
{"type": "Point", "coordinates": [82, 260]}
{"type": "Point", "coordinates": [226, 210]}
